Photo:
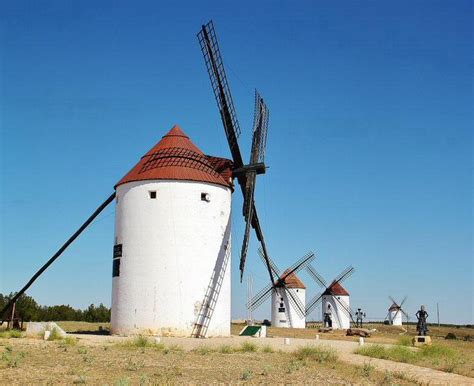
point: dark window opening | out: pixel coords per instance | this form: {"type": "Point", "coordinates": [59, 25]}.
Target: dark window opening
{"type": "Point", "coordinates": [116, 268]}
{"type": "Point", "coordinates": [205, 197]}
{"type": "Point", "coordinates": [117, 250]}
{"type": "Point", "coordinates": [281, 309]}
{"type": "Point", "coordinates": [152, 194]}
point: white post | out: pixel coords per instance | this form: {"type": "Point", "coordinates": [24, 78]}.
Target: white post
{"type": "Point", "coordinates": [361, 341]}
{"type": "Point", "coordinates": [287, 341]}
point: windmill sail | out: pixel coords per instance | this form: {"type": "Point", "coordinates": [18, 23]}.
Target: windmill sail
{"type": "Point", "coordinates": [220, 86]}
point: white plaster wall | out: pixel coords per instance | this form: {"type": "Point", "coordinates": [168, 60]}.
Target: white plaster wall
{"type": "Point", "coordinates": [171, 246]}
{"type": "Point", "coordinates": [289, 318]}
{"type": "Point", "coordinates": [340, 319]}
{"type": "Point", "coordinates": [395, 318]}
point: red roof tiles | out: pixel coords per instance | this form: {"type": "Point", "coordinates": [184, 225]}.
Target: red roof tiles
{"type": "Point", "coordinates": [336, 289]}
{"type": "Point", "coordinates": [292, 281]}
{"type": "Point", "coordinates": [175, 157]}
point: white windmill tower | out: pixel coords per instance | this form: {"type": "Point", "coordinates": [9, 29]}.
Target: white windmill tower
{"type": "Point", "coordinates": [396, 311]}
{"type": "Point", "coordinates": [288, 294]}
{"type": "Point", "coordinates": [172, 212]}
{"type": "Point", "coordinates": [335, 299]}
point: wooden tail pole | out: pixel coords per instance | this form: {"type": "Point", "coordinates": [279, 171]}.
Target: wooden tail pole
{"type": "Point", "coordinates": [58, 253]}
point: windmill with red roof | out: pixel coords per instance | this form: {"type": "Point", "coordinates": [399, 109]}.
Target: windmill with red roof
{"type": "Point", "coordinates": [288, 294]}
{"type": "Point", "coordinates": [335, 299]}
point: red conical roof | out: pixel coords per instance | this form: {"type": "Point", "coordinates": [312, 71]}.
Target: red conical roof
{"type": "Point", "coordinates": [292, 281]}
{"type": "Point", "coordinates": [175, 157]}
{"type": "Point", "coordinates": [394, 307]}
{"type": "Point", "coordinates": [336, 289]}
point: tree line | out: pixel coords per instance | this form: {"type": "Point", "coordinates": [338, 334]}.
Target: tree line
{"type": "Point", "coordinates": [30, 310]}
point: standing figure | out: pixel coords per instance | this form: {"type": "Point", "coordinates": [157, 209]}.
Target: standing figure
{"type": "Point", "coordinates": [359, 316]}
{"type": "Point", "coordinates": [421, 326]}
{"type": "Point", "coordinates": [328, 317]}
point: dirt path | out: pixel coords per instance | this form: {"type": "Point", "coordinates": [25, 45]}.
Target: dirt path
{"type": "Point", "coordinates": [344, 348]}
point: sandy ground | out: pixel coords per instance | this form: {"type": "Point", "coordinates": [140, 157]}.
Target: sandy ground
{"type": "Point", "coordinates": [344, 348]}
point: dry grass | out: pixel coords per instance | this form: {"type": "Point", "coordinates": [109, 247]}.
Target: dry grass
{"type": "Point", "coordinates": [140, 362]}
{"type": "Point", "coordinates": [436, 356]}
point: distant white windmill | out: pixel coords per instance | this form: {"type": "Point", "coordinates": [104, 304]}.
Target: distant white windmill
{"type": "Point", "coordinates": [335, 299]}
{"type": "Point", "coordinates": [396, 311]}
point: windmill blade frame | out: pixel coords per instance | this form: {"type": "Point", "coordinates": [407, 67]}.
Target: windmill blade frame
{"type": "Point", "coordinates": [393, 301]}
{"type": "Point", "coordinates": [316, 276]}
{"type": "Point", "coordinates": [295, 302]}
{"type": "Point", "coordinates": [215, 67]}
{"type": "Point", "coordinates": [344, 307]}
{"type": "Point", "coordinates": [301, 263]}
{"type": "Point", "coordinates": [313, 303]}
{"type": "Point", "coordinates": [345, 274]}
{"type": "Point", "coordinates": [275, 269]}
{"type": "Point", "coordinates": [260, 297]}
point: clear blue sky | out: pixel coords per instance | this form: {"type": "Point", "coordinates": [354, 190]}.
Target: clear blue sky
{"type": "Point", "coordinates": [369, 148]}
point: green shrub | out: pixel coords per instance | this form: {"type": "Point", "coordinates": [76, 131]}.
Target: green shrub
{"type": "Point", "coordinates": [450, 335]}
{"type": "Point", "coordinates": [55, 335]}
{"type": "Point", "coordinates": [405, 341]}
{"type": "Point", "coordinates": [267, 349]}
{"type": "Point", "coordinates": [367, 370]}
{"type": "Point", "coordinates": [317, 353]}
{"type": "Point", "coordinates": [247, 374]}
{"type": "Point", "coordinates": [11, 334]}
{"type": "Point", "coordinates": [70, 340]}
{"type": "Point", "coordinates": [203, 350]}
{"type": "Point", "coordinates": [248, 347]}
{"type": "Point", "coordinates": [225, 349]}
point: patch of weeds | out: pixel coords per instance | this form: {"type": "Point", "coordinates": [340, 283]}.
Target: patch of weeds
{"type": "Point", "coordinates": [248, 347]}
{"type": "Point", "coordinates": [267, 349]}
{"type": "Point", "coordinates": [134, 365]}
{"type": "Point", "coordinates": [203, 350]}
{"type": "Point", "coordinates": [141, 341]}
{"type": "Point", "coordinates": [367, 370]}
{"type": "Point", "coordinates": [441, 357]}
{"type": "Point", "coordinates": [404, 341]}
{"type": "Point", "coordinates": [80, 381]}
{"type": "Point", "coordinates": [451, 335]}
{"type": "Point", "coordinates": [55, 335]}
{"type": "Point", "coordinates": [82, 350]}
{"type": "Point", "coordinates": [144, 379]}
{"type": "Point", "coordinates": [8, 348]}
{"type": "Point", "coordinates": [158, 346]}
{"type": "Point", "coordinates": [388, 378]}
{"type": "Point", "coordinates": [11, 360]}
{"type": "Point", "coordinates": [225, 349]}
{"type": "Point", "coordinates": [122, 382]}
{"type": "Point", "coordinates": [404, 377]}
{"type": "Point", "coordinates": [176, 348]}
{"type": "Point", "coordinates": [172, 348]}
{"type": "Point", "coordinates": [295, 365]}
{"type": "Point", "coordinates": [317, 353]}
{"type": "Point", "coordinates": [176, 371]}
{"type": "Point", "coordinates": [247, 375]}
{"type": "Point", "coordinates": [11, 334]}
{"type": "Point", "coordinates": [70, 341]}
{"type": "Point", "coordinates": [266, 369]}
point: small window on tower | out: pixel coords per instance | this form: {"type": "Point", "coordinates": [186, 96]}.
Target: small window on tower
{"type": "Point", "coordinates": [152, 194]}
{"type": "Point", "coordinates": [205, 197]}
{"type": "Point", "coordinates": [116, 268]}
